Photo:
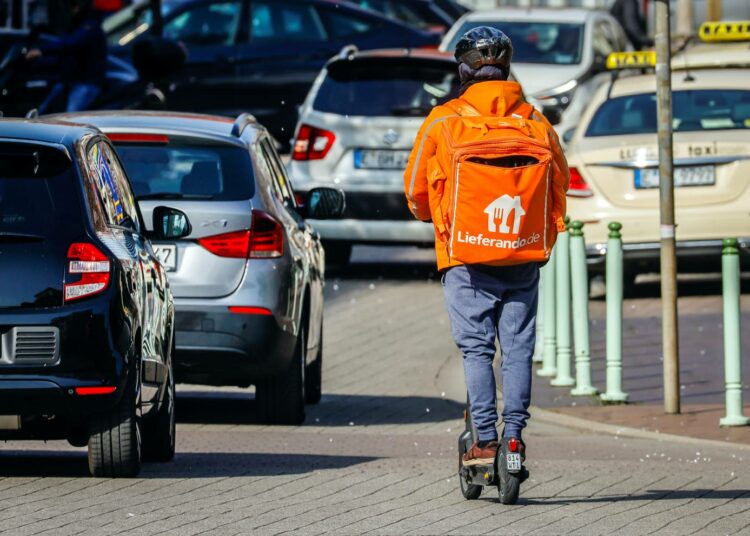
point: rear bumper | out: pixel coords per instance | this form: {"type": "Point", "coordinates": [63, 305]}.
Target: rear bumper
{"type": "Point", "coordinates": [216, 347]}
{"type": "Point", "coordinates": [53, 396]}
{"type": "Point", "coordinates": [692, 255]}
{"type": "Point", "coordinates": [376, 231]}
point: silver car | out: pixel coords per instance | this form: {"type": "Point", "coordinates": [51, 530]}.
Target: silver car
{"type": "Point", "coordinates": [356, 129]}
{"type": "Point", "coordinates": [248, 278]}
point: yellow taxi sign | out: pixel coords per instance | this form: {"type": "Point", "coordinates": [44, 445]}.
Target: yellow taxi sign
{"type": "Point", "coordinates": [738, 30]}
{"type": "Point", "coordinates": [631, 60]}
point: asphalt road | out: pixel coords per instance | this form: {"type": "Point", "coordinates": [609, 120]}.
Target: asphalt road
{"type": "Point", "coordinates": [379, 452]}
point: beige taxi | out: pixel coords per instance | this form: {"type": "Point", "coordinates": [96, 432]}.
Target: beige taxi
{"type": "Point", "coordinates": [613, 158]}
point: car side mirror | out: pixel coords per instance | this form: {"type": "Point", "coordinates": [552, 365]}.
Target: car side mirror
{"type": "Point", "coordinates": [324, 203]}
{"type": "Point", "coordinates": [567, 136]}
{"type": "Point", "coordinates": [170, 223]}
{"type": "Point", "coordinates": [600, 63]}
{"type": "Point", "coordinates": [553, 114]}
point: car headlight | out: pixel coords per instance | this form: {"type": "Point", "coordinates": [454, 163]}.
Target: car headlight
{"type": "Point", "coordinates": [559, 96]}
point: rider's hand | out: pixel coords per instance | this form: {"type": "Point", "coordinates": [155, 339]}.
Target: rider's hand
{"type": "Point", "coordinates": [33, 54]}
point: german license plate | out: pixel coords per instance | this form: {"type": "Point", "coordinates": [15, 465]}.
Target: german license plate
{"type": "Point", "coordinates": [380, 159]}
{"type": "Point", "coordinates": [683, 176]}
{"type": "Point", "coordinates": [167, 255]}
{"type": "Point", "coordinates": [513, 460]}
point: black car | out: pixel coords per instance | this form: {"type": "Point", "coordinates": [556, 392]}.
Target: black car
{"type": "Point", "coordinates": [429, 15]}
{"type": "Point", "coordinates": [86, 312]}
{"type": "Point", "coordinates": [260, 56]}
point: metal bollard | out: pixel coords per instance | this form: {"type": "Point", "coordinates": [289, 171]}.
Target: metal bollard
{"type": "Point", "coordinates": [579, 279]}
{"type": "Point", "coordinates": [549, 366]}
{"type": "Point", "coordinates": [539, 342]}
{"type": "Point", "coordinates": [614, 316]}
{"type": "Point", "coordinates": [562, 299]}
{"type": "Point", "coordinates": [730, 283]}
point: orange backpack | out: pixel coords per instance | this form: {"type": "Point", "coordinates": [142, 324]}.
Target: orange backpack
{"type": "Point", "coordinates": [490, 187]}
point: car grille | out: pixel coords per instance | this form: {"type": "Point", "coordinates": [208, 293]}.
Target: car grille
{"type": "Point", "coordinates": [31, 345]}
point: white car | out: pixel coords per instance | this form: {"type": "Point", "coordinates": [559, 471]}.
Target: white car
{"type": "Point", "coordinates": [355, 132]}
{"type": "Point", "coordinates": [559, 55]}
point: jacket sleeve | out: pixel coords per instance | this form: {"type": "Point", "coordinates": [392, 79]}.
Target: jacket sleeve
{"type": "Point", "coordinates": [415, 176]}
{"type": "Point", "coordinates": [560, 173]}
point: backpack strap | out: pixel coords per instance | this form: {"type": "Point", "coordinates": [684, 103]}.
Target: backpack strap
{"type": "Point", "coordinates": [462, 108]}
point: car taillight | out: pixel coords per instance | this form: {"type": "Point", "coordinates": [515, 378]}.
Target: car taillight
{"type": "Point", "coordinates": [266, 237]}
{"type": "Point", "coordinates": [92, 265]}
{"type": "Point", "coordinates": [103, 390]}
{"type": "Point", "coordinates": [249, 310]}
{"type": "Point", "coordinates": [312, 143]}
{"type": "Point", "coordinates": [234, 245]}
{"type": "Point", "coordinates": [264, 240]}
{"type": "Point", "coordinates": [578, 186]}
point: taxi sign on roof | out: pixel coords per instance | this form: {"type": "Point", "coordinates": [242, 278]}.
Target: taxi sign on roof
{"type": "Point", "coordinates": [631, 60]}
{"type": "Point", "coordinates": [725, 31]}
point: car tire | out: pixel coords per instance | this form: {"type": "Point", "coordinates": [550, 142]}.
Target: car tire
{"type": "Point", "coordinates": [115, 440]}
{"type": "Point", "coordinates": [159, 430]}
{"type": "Point", "coordinates": [281, 400]}
{"type": "Point", "coordinates": [314, 375]}
{"type": "Point", "coordinates": [337, 253]}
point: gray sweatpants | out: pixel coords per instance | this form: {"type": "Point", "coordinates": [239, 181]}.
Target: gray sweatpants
{"type": "Point", "coordinates": [486, 303]}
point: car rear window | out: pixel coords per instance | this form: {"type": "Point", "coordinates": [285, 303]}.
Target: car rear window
{"type": "Point", "coordinates": [187, 170]}
{"type": "Point", "coordinates": [386, 87]}
{"type": "Point", "coordinates": [695, 110]}
{"type": "Point", "coordinates": [38, 192]}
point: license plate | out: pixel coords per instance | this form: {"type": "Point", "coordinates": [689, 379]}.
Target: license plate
{"type": "Point", "coordinates": [167, 255]}
{"type": "Point", "coordinates": [513, 460]}
{"type": "Point", "coordinates": [380, 159]}
{"type": "Point", "coordinates": [683, 176]}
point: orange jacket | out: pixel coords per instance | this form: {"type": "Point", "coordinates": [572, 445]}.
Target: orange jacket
{"type": "Point", "coordinates": [491, 98]}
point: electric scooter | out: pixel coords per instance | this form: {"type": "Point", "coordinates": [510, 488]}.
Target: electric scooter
{"type": "Point", "coordinates": [506, 473]}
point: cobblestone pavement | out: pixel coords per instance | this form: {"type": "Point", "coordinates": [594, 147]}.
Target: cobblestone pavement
{"type": "Point", "coordinates": [377, 455]}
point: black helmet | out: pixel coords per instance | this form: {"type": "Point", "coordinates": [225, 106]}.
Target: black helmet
{"type": "Point", "coordinates": [484, 45]}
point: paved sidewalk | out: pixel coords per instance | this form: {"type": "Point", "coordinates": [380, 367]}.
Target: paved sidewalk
{"type": "Point", "coordinates": [701, 356]}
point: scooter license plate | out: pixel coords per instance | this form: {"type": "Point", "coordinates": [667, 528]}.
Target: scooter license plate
{"type": "Point", "coordinates": [513, 460]}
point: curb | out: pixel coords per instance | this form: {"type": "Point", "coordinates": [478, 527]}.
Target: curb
{"type": "Point", "coordinates": [561, 419]}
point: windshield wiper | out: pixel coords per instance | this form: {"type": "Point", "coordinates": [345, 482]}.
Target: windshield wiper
{"type": "Point", "coordinates": [415, 111]}
{"type": "Point", "coordinates": [20, 237]}
{"type": "Point", "coordinates": [173, 195]}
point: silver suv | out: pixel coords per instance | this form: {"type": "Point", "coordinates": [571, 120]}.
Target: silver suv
{"type": "Point", "coordinates": [356, 129]}
{"type": "Point", "coordinates": [248, 279]}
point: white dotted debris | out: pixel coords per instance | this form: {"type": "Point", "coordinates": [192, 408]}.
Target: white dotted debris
{"type": "Point", "coordinates": [335, 287]}
{"type": "Point", "coordinates": [442, 394]}
{"type": "Point", "coordinates": [351, 423]}
{"type": "Point", "coordinates": [372, 286]}
{"type": "Point", "coordinates": [133, 515]}
{"type": "Point", "coordinates": [427, 410]}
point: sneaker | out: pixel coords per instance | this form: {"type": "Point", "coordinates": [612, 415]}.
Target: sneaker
{"type": "Point", "coordinates": [481, 456]}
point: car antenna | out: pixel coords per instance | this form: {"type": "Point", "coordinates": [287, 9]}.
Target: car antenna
{"type": "Point", "coordinates": [241, 122]}
{"type": "Point", "coordinates": [32, 114]}
{"type": "Point", "coordinates": [615, 76]}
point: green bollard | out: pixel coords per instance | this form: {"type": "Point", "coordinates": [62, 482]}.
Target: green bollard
{"type": "Point", "coordinates": [562, 299]}
{"type": "Point", "coordinates": [579, 279]}
{"type": "Point", "coordinates": [549, 367]}
{"type": "Point", "coordinates": [730, 283]}
{"type": "Point", "coordinates": [539, 342]}
{"type": "Point", "coordinates": [614, 316]}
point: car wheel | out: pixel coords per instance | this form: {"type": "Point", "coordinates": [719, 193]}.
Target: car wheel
{"type": "Point", "coordinates": [115, 439]}
{"type": "Point", "coordinates": [314, 375]}
{"type": "Point", "coordinates": [281, 400]}
{"type": "Point", "coordinates": [337, 253]}
{"type": "Point", "coordinates": [159, 431]}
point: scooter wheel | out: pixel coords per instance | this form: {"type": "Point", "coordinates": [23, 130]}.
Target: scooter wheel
{"type": "Point", "coordinates": [471, 492]}
{"type": "Point", "coordinates": [509, 487]}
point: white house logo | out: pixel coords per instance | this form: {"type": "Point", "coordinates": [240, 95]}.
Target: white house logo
{"type": "Point", "coordinates": [500, 210]}
{"type": "Point", "coordinates": [498, 221]}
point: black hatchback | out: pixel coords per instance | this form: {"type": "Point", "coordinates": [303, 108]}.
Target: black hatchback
{"type": "Point", "coordinates": [86, 313]}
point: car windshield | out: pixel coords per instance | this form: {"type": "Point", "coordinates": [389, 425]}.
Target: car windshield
{"type": "Point", "coordinates": [695, 110]}
{"type": "Point", "coordinates": [188, 171]}
{"type": "Point", "coordinates": [386, 87]}
{"type": "Point", "coordinates": [553, 43]}
{"type": "Point", "coordinates": [37, 194]}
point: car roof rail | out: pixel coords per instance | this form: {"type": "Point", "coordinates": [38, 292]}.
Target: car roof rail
{"type": "Point", "coordinates": [241, 122]}
{"type": "Point", "coordinates": [32, 114]}
{"type": "Point", "coordinates": [347, 52]}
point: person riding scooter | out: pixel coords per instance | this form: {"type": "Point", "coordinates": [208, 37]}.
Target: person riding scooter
{"type": "Point", "coordinates": [81, 55]}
